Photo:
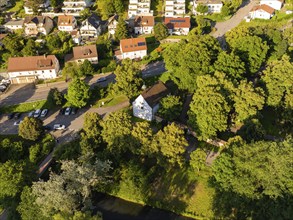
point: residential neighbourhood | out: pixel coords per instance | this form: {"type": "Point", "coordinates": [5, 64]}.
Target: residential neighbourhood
{"type": "Point", "coordinates": [146, 109]}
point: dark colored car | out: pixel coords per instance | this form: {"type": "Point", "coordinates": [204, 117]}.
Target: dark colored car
{"type": "Point", "coordinates": [10, 115]}
{"type": "Point", "coordinates": [62, 111]}
{"type": "Point", "coordinates": [17, 115]}
{"type": "Point", "coordinates": [74, 110]}
{"type": "Point", "coordinates": [47, 128]}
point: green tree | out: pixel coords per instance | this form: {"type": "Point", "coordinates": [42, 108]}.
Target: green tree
{"type": "Point", "coordinates": [72, 70]}
{"type": "Point", "coordinates": [252, 130]}
{"type": "Point", "coordinates": [78, 215]}
{"type": "Point", "coordinates": [170, 107]}
{"type": "Point", "coordinates": [171, 144]}
{"type": "Point", "coordinates": [116, 131]}
{"type": "Point", "coordinates": [203, 25]}
{"type": "Point", "coordinates": [34, 4]}
{"type": "Point", "coordinates": [31, 128]}
{"type": "Point", "coordinates": [86, 68]}
{"type": "Point", "coordinates": [55, 97]}
{"type": "Point", "coordinates": [13, 44]}
{"type": "Point", "coordinates": [119, 6]}
{"type": "Point", "coordinates": [202, 9]}
{"type": "Point", "coordinates": [231, 65]}
{"type": "Point", "coordinates": [105, 8]}
{"type": "Point", "coordinates": [121, 31]}
{"type": "Point", "coordinates": [30, 48]}
{"type": "Point", "coordinates": [209, 108]}
{"type": "Point", "coordinates": [128, 79]}
{"type": "Point", "coordinates": [71, 190]}
{"type": "Point", "coordinates": [78, 93]}
{"type": "Point", "coordinates": [53, 42]}
{"type": "Point", "coordinates": [248, 100]}
{"type": "Point", "coordinates": [160, 31]}
{"type": "Point", "coordinates": [10, 150]}
{"type": "Point", "coordinates": [92, 127]}
{"type": "Point", "coordinates": [198, 159]}
{"type": "Point", "coordinates": [278, 78]}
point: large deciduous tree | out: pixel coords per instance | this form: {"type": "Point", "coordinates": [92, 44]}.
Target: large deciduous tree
{"type": "Point", "coordinates": [55, 97]}
{"type": "Point", "coordinates": [198, 159]}
{"type": "Point", "coordinates": [78, 93]}
{"type": "Point", "coordinates": [170, 107]}
{"type": "Point", "coordinates": [160, 31]}
{"type": "Point", "coordinates": [92, 127]}
{"type": "Point", "coordinates": [31, 128]}
{"type": "Point", "coordinates": [121, 31]}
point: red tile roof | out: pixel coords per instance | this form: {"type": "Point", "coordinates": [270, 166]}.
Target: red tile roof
{"type": "Point", "coordinates": [65, 20]}
{"type": "Point", "coordinates": [177, 22]}
{"type": "Point", "coordinates": [133, 44]}
{"type": "Point", "coordinates": [144, 21]}
{"type": "Point", "coordinates": [266, 8]}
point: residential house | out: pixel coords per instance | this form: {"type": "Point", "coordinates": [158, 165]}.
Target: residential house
{"type": "Point", "coordinates": [42, 7]}
{"type": "Point", "coordinates": [93, 26]}
{"type": "Point", "coordinates": [175, 8]}
{"type": "Point", "coordinates": [147, 104]}
{"type": "Point", "coordinates": [76, 37]}
{"type": "Point", "coordinates": [133, 48]}
{"type": "Point", "coordinates": [66, 23]}
{"type": "Point", "coordinates": [38, 25]}
{"type": "Point", "coordinates": [262, 12]}
{"type": "Point", "coordinates": [214, 6]}
{"type": "Point", "coordinates": [82, 53]}
{"type": "Point", "coordinates": [112, 24]}
{"type": "Point", "coordinates": [29, 69]}
{"type": "Point", "coordinates": [275, 4]}
{"type": "Point", "coordinates": [178, 26]}
{"type": "Point", "coordinates": [144, 24]}
{"type": "Point", "coordinates": [139, 8]}
{"type": "Point", "coordinates": [13, 25]}
{"type": "Point", "coordinates": [74, 7]}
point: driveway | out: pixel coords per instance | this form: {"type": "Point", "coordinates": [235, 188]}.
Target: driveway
{"type": "Point", "coordinates": [154, 69]}
{"type": "Point", "coordinates": [224, 27]}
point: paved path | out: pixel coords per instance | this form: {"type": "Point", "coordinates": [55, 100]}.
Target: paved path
{"type": "Point", "coordinates": [224, 27]}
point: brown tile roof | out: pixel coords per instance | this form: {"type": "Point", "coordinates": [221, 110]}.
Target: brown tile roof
{"type": "Point", "coordinates": [177, 22]}
{"type": "Point", "coordinates": [82, 52]}
{"type": "Point", "coordinates": [133, 44]}
{"type": "Point", "coordinates": [31, 63]}
{"type": "Point", "coordinates": [208, 2]}
{"type": "Point", "coordinates": [144, 21]}
{"type": "Point", "coordinates": [266, 8]}
{"type": "Point", "coordinates": [154, 94]}
{"type": "Point", "coordinates": [65, 20]}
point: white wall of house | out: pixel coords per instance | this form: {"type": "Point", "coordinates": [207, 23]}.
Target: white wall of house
{"type": "Point", "coordinates": [275, 4]}
{"type": "Point", "coordinates": [212, 7]}
{"type": "Point", "coordinates": [41, 74]}
{"type": "Point", "coordinates": [134, 54]}
{"type": "Point", "coordinates": [260, 14]}
{"type": "Point", "coordinates": [141, 109]}
{"type": "Point", "coordinates": [13, 27]}
{"type": "Point", "coordinates": [143, 30]}
{"type": "Point", "coordinates": [112, 27]}
{"type": "Point", "coordinates": [178, 31]}
{"type": "Point", "coordinates": [66, 28]}
{"type": "Point", "coordinates": [93, 60]}
{"type": "Point", "coordinates": [88, 30]}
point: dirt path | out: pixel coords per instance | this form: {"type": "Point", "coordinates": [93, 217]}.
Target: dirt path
{"type": "Point", "coordinates": [223, 27]}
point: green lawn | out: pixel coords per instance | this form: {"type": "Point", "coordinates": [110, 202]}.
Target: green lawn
{"type": "Point", "coordinates": [111, 101]}
{"type": "Point", "coordinates": [25, 107]}
{"type": "Point", "coordinates": [17, 7]}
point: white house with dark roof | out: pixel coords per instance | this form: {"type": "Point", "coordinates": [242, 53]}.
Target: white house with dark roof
{"type": "Point", "coordinates": [13, 25]}
{"type": "Point", "coordinates": [214, 6]}
{"type": "Point", "coordinates": [38, 25]}
{"type": "Point", "coordinates": [29, 69]}
{"type": "Point", "coordinates": [93, 26]}
{"type": "Point", "coordinates": [42, 7]}
{"type": "Point", "coordinates": [82, 53]}
{"type": "Point", "coordinates": [112, 24]}
{"type": "Point", "coordinates": [133, 48]}
{"type": "Point", "coordinates": [262, 12]}
{"type": "Point", "coordinates": [147, 104]}
{"type": "Point", "coordinates": [275, 4]}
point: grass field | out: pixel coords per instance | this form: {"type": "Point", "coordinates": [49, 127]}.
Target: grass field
{"type": "Point", "coordinates": [25, 107]}
{"type": "Point", "coordinates": [111, 101]}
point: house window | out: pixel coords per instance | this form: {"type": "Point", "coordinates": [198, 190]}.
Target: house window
{"type": "Point", "coordinates": [141, 107]}
{"type": "Point", "coordinates": [42, 71]}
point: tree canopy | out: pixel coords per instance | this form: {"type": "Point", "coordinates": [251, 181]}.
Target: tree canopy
{"type": "Point", "coordinates": [160, 31]}
{"type": "Point", "coordinates": [78, 93]}
{"type": "Point", "coordinates": [31, 128]}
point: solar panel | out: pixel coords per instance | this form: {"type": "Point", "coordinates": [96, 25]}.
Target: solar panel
{"type": "Point", "coordinates": [177, 21]}
{"type": "Point", "coordinates": [141, 44]}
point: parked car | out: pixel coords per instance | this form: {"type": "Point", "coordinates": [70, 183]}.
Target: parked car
{"type": "Point", "coordinates": [74, 110]}
{"type": "Point", "coordinates": [17, 115]}
{"type": "Point", "coordinates": [102, 79]}
{"type": "Point", "coordinates": [47, 128]}
{"type": "Point", "coordinates": [3, 87]}
{"type": "Point", "coordinates": [10, 115]}
{"type": "Point", "coordinates": [58, 127]}
{"type": "Point", "coordinates": [62, 111]}
{"type": "Point", "coordinates": [67, 111]}
{"type": "Point", "coordinates": [37, 113]}
{"type": "Point", "coordinates": [44, 113]}
{"type": "Point", "coordinates": [17, 123]}
{"type": "Point", "coordinates": [31, 114]}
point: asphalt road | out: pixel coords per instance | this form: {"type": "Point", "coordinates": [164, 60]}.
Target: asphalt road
{"type": "Point", "coordinates": [28, 93]}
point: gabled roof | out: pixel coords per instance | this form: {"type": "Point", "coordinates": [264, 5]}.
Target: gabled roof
{"type": "Point", "coordinates": [31, 63]}
{"type": "Point", "coordinates": [144, 21]}
{"type": "Point", "coordinates": [154, 94]}
{"type": "Point", "coordinates": [82, 52]}
{"type": "Point", "coordinates": [95, 20]}
{"type": "Point", "coordinates": [265, 8]}
{"type": "Point", "coordinates": [15, 22]}
{"type": "Point", "coordinates": [177, 22]}
{"type": "Point", "coordinates": [133, 44]}
{"type": "Point", "coordinates": [46, 21]}
{"type": "Point", "coordinates": [65, 20]}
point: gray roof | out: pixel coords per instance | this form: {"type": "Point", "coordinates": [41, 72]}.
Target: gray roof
{"type": "Point", "coordinates": [46, 21]}
{"type": "Point", "coordinates": [15, 22]}
{"type": "Point", "coordinates": [95, 20]}
{"type": "Point", "coordinates": [154, 94]}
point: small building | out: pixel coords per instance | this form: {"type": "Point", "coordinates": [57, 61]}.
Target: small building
{"type": "Point", "coordinates": [147, 104]}
{"type": "Point", "coordinates": [214, 6]}
{"type": "Point", "coordinates": [175, 8]}
{"type": "Point", "coordinates": [139, 8]}
{"type": "Point", "coordinates": [13, 25]}
{"type": "Point", "coordinates": [262, 12]}
{"type": "Point", "coordinates": [74, 7]}
{"type": "Point", "coordinates": [66, 23]}
{"type": "Point", "coordinates": [178, 26]}
{"type": "Point", "coordinates": [93, 26]}
{"type": "Point", "coordinates": [275, 4]}
{"type": "Point", "coordinates": [42, 7]}
{"type": "Point", "coordinates": [112, 24]}
{"type": "Point", "coordinates": [144, 24]}
{"type": "Point", "coordinates": [29, 69]}
{"type": "Point", "coordinates": [82, 53]}
{"type": "Point", "coordinates": [133, 48]}
{"type": "Point", "coordinates": [38, 25]}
